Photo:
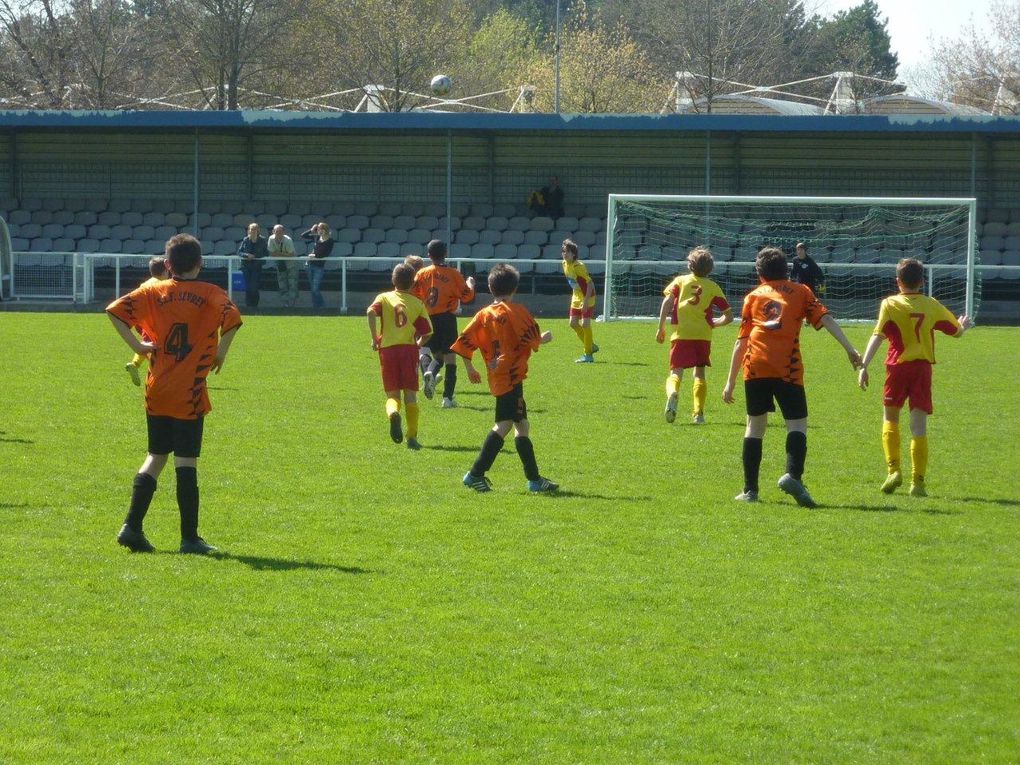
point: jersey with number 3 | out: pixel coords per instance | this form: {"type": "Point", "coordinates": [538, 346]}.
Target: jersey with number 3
{"type": "Point", "coordinates": [909, 322]}
{"type": "Point", "coordinates": [184, 319]}
{"type": "Point", "coordinates": [403, 318]}
{"type": "Point", "coordinates": [695, 298]}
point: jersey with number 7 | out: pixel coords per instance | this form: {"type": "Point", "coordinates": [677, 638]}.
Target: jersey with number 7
{"type": "Point", "coordinates": [908, 321]}
{"type": "Point", "coordinates": [184, 319]}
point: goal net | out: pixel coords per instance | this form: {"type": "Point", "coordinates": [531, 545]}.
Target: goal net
{"type": "Point", "coordinates": [856, 242]}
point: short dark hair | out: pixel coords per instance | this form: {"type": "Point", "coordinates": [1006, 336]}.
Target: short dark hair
{"type": "Point", "coordinates": [437, 250]}
{"type": "Point", "coordinates": [700, 261]}
{"type": "Point", "coordinates": [403, 276]}
{"type": "Point", "coordinates": [157, 265]}
{"type": "Point", "coordinates": [570, 246]}
{"type": "Point", "coordinates": [910, 272]}
{"type": "Point", "coordinates": [415, 262]}
{"type": "Point", "coordinates": [503, 280]}
{"type": "Point", "coordinates": [771, 264]}
{"type": "Point", "coordinates": [183, 253]}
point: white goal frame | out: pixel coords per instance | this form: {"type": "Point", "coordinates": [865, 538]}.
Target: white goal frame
{"type": "Point", "coordinates": [708, 199]}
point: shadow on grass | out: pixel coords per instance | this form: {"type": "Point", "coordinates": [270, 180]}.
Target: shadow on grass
{"type": "Point", "coordinates": [221, 387]}
{"type": "Point", "coordinates": [15, 441]}
{"type": "Point", "coordinates": [588, 495]}
{"type": "Point", "coordinates": [13, 505]}
{"type": "Point", "coordinates": [624, 363]}
{"type": "Point", "coordinates": [279, 564]}
{"type": "Point", "coordinates": [982, 500]}
{"type": "Point", "coordinates": [891, 509]}
{"type": "Point", "coordinates": [443, 448]}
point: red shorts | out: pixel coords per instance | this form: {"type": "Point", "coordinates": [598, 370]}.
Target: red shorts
{"type": "Point", "coordinates": [399, 367]}
{"type": "Point", "coordinates": [685, 354]}
{"type": "Point", "coordinates": [582, 313]}
{"type": "Point", "coordinates": [909, 380]}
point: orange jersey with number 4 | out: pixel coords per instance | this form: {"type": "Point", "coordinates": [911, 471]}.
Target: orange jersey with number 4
{"type": "Point", "coordinates": [908, 322]}
{"type": "Point", "coordinates": [442, 289]}
{"type": "Point", "coordinates": [770, 321]}
{"type": "Point", "coordinates": [506, 333]}
{"type": "Point", "coordinates": [695, 298]}
{"type": "Point", "coordinates": [184, 319]}
{"type": "Point", "coordinates": [403, 318]}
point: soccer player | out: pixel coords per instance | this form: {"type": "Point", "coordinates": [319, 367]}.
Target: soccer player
{"type": "Point", "coordinates": [405, 328]}
{"type": "Point", "coordinates": [157, 273]}
{"type": "Point", "coordinates": [909, 321]}
{"type": "Point", "coordinates": [690, 302]}
{"type": "Point", "coordinates": [506, 334]}
{"type": "Point", "coordinates": [582, 300]}
{"type": "Point", "coordinates": [442, 289]}
{"type": "Point", "coordinates": [424, 354]}
{"type": "Point", "coordinates": [768, 349]}
{"type": "Point", "coordinates": [804, 270]}
{"type": "Point", "coordinates": [191, 325]}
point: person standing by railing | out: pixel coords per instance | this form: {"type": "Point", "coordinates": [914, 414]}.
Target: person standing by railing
{"type": "Point", "coordinates": [253, 251]}
{"type": "Point", "coordinates": [321, 239]}
{"type": "Point", "coordinates": [287, 271]}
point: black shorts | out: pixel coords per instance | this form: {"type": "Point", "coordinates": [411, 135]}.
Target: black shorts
{"type": "Point", "coordinates": [168, 434]}
{"type": "Point", "coordinates": [762, 395]}
{"type": "Point", "coordinates": [444, 333]}
{"type": "Point", "coordinates": [511, 405]}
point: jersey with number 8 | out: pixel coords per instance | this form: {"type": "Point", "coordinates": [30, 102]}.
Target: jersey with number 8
{"type": "Point", "coordinates": [909, 321]}
{"type": "Point", "coordinates": [184, 319]}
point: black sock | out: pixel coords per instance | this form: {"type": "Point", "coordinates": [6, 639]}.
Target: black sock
{"type": "Point", "coordinates": [143, 488]}
{"type": "Point", "coordinates": [526, 451]}
{"type": "Point", "coordinates": [187, 501]}
{"type": "Point", "coordinates": [493, 443]}
{"type": "Point", "coordinates": [796, 453]}
{"type": "Point", "coordinates": [449, 380]}
{"type": "Point", "coordinates": [752, 463]}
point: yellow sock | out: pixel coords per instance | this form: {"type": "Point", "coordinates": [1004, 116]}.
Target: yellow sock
{"type": "Point", "coordinates": [587, 339]}
{"type": "Point", "coordinates": [672, 385]}
{"type": "Point", "coordinates": [700, 394]}
{"type": "Point", "coordinates": [918, 458]}
{"type": "Point", "coordinates": [579, 331]}
{"type": "Point", "coordinates": [137, 360]}
{"type": "Point", "coordinates": [392, 406]}
{"type": "Point", "coordinates": [411, 413]}
{"type": "Point", "coordinates": [891, 445]}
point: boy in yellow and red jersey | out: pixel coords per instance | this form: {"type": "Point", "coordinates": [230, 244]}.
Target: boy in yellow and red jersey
{"type": "Point", "coordinates": [442, 289]}
{"type": "Point", "coordinates": [506, 334]}
{"type": "Point", "coordinates": [582, 300]}
{"type": "Point", "coordinates": [191, 325]}
{"type": "Point", "coordinates": [157, 273]}
{"type": "Point", "coordinates": [405, 328]}
{"type": "Point", "coordinates": [768, 349]}
{"type": "Point", "coordinates": [909, 321]}
{"type": "Point", "coordinates": [690, 302]}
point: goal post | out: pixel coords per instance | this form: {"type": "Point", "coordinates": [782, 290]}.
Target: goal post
{"type": "Point", "coordinates": [857, 242]}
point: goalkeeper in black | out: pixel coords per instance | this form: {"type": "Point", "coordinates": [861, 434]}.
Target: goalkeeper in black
{"type": "Point", "coordinates": [804, 270]}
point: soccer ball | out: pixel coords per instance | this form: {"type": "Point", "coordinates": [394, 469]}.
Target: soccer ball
{"type": "Point", "coordinates": [441, 85]}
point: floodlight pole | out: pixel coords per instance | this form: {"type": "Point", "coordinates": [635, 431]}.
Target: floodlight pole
{"type": "Point", "coordinates": [556, 104]}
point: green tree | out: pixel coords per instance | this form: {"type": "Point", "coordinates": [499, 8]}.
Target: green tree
{"type": "Point", "coordinates": [855, 40]}
{"type": "Point", "coordinates": [502, 53]}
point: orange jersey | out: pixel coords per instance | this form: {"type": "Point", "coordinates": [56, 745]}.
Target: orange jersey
{"type": "Point", "coordinates": [771, 321]}
{"type": "Point", "coordinates": [506, 333]}
{"type": "Point", "coordinates": [908, 322]}
{"type": "Point", "coordinates": [441, 288]}
{"type": "Point", "coordinates": [184, 319]}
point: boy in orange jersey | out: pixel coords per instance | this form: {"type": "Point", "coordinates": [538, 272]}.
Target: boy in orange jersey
{"type": "Point", "coordinates": [506, 334]}
{"type": "Point", "coordinates": [405, 328]}
{"type": "Point", "coordinates": [768, 349]}
{"type": "Point", "coordinates": [191, 325]}
{"type": "Point", "coordinates": [690, 301]}
{"type": "Point", "coordinates": [157, 273]}
{"type": "Point", "coordinates": [909, 321]}
{"type": "Point", "coordinates": [582, 300]}
{"type": "Point", "coordinates": [442, 289]}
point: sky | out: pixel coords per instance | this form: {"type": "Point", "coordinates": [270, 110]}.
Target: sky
{"type": "Point", "coordinates": [913, 22]}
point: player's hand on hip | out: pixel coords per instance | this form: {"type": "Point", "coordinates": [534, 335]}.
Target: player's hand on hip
{"type": "Point", "coordinates": [145, 348]}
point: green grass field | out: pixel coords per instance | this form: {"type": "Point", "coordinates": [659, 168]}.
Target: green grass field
{"type": "Point", "coordinates": [367, 608]}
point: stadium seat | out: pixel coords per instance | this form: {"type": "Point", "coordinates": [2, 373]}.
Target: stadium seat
{"type": "Point", "coordinates": [99, 231]}
{"type": "Point", "coordinates": [472, 223]}
{"type": "Point", "coordinates": [176, 219]}
{"type": "Point", "coordinates": [366, 209]}
{"type": "Point", "coordinates": [405, 222]}
{"type": "Point", "coordinates": [1011, 258]}
{"type": "Point", "coordinates": [548, 267]}
{"type": "Point", "coordinates": [649, 252]}
{"type": "Point", "coordinates": [109, 218]}
{"type": "Point", "coordinates": [541, 223]}
{"type": "Point", "coordinates": [381, 221]}
{"type": "Point", "coordinates": [992, 243]}
{"type": "Point", "coordinates": [53, 230]}
{"type": "Point", "coordinates": [419, 236]}
{"type": "Point", "coordinates": [141, 205]}
{"type": "Point", "coordinates": [628, 238]}
{"type": "Point", "coordinates": [540, 238]}
{"type": "Point", "coordinates": [290, 221]}
{"type": "Point", "coordinates": [357, 221]}
{"type": "Point", "coordinates": [388, 250]}
{"type": "Point", "coordinates": [504, 210]}
{"type": "Point", "coordinates": [396, 235]}
{"type": "Point", "coordinates": [483, 250]}
{"type": "Point", "coordinates": [52, 204]}
{"type": "Point", "coordinates": [495, 223]}
{"type": "Point", "coordinates": [30, 230]}
{"type": "Point", "coordinates": [512, 236]}
{"type": "Point", "coordinates": [87, 245]}
{"type": "Point", "coordinates": [1010, 243]}
{"type": "Point", "coordinates": [154, 246]}
{"type": "Point", "coordinates": [74, 231]}
{"type": "Point", "coordinates": [481, 210]}
{"type": "Point", "coordinates": [131, 218]}
{"type": "Point", "coordinates": [224, 247]}
{"type": "Point", "coordinates": [453, 225]}
{"type": "Point", "coordinates": [466, 236]}
{"type": "Point", "coordinates": [94, 204]}
{"type": "Point", "coordinates": [519, 222]}
{"type": "Point", "coordinates": [234, 234]}
{"type": "Point", "coordinates": [210, 234]}
{"type": "Point", "coordinates": [379, 265]}
{"type": "Point", "coordinates": [365, 249]}
{"type": "Point", "coordinates": [505, 252]}
{"type": "Point", "coordinates": [19, 244]}
{"type": "Point", "coordinates": [553, 251]}
{"type": "Point", "coordinates": [164, 232]}
{"type": "Point", "coordinates": [154, 219]}
{"type": "Point", "coordinates": [64, 245]}
{"type": "Point", "coordinates": [63, 217]}
{"type": "Point", "coordinates": [143, 232]}
{"type": "Point", "coordinates": [391, 209]}
{"type": "Point", "coordinates": [529, 252]}
{"type": "Point", "coordinates": [429, 222]}
{"type": "Point", "coordinates": [488, 236]}
{"type": "Point", "coordinates": [348, 235]}
{"type": "Point", "coordinates": [42, 217]}
{"type": "Point", "coordinates": [84, 218]}
{"type": "Point", "coordinates": [31, 204]}
{"type": "Point", "coordinates": [41, 244]}
{"type": "Point", "coordinates": [133, 246]}
{"type": "Point", "coordinates": [342, 250]}
{"type": "Point", "coordinates": [584, 238]}
{"type": "Point", "coordinates": [994, 228]}
{"type": "Point", "coordinates": [998, 215]}
{"type": "Point", "coordinates": [221, 219]}
{"type": "Point", "coordinates": [121, 231]}
{"type": "Point", "coordinates": [375, 235]}
{"type": "Point", "coordinates": [19, 217]}
{"type": "Point", "coordinates": [991, 258]}
{"type": "Point", "coordinates": [595, 266]}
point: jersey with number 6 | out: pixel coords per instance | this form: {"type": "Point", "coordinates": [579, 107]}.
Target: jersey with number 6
{"type": "Point", "coordinates": [909, 322]}
{"type": "Point", "coordinates": [695, 298]}
{"type": "Point", "coordinates": [184, 319]}
{"type": "Point", "coordinates": [403, 318]}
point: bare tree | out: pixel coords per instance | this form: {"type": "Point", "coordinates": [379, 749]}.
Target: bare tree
{"type": "Point", "coordinates": [111, 53]}
{"type": "Point", "coordinates": [34, 53]}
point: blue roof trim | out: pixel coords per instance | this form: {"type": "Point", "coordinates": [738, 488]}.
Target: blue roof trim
{"type": "Point", "coordinates": [441, 122]}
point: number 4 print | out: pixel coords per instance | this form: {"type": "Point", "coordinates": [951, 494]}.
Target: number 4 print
{"type": "Point", "coordinates": [177, 342]}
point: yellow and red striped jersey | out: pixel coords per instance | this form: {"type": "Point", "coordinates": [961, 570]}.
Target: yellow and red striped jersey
{"type": "Point", "coordinates": [441, 288]}
{"type": "Point", "coordinates": [908, 321]}
{"type": "Point", "coordinates": [695, 299]}
{"type": "Point", "coordinates": [403, 318]}
{"type": "Point", "coordinates": [578, 279]}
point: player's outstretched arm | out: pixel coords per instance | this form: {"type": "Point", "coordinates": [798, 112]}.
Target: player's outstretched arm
{"type": "Point", "coordinates": [722, 321]}
{"type": "Point", "coordinates": [739, 349]}
{"type": "Point", "coordinates": [869, 354]}
{"type": "Point", "coordinates": [221, 352]}
{"type": "Point", "coordinates": [834, 329]}
{"type": "Point", "coordinates": [129, 337]}
{"type": "Point", "coordinates": [664, 310]}
{"type": "Point", "coordinates": [965, 323]}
